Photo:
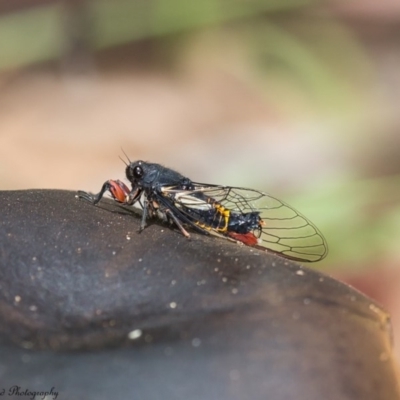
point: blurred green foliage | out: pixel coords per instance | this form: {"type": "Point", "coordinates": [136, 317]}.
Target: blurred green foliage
{"type": "Point", "coordinates": [40, 34]}
{"type": "Point", "coordinates": [293, 52]}
{"type": "Point", "coordinates": [30, 36]}
{"type": "Point", "coordinates": [288, 49]}
{"type": "Point", "coordinates": [360, 219]}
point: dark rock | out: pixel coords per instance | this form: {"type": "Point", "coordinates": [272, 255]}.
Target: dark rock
{"type": "Point", "coordinates": [171, 318]}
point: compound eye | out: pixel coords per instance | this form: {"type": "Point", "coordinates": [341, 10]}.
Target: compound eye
{"type": "Point", "coordinates": [138, 172]}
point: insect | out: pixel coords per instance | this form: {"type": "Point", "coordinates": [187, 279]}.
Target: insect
{"type": "Point", "coordinates": [244, 215]}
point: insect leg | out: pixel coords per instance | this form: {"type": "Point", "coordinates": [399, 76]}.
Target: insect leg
{"type": "Point", "coordinates": [95, 198]}
{"type": "Point", "coordinates": [118, 190]}
{"type": "Point", "coordinates": [133, 197]}
{"type": "Point", "coordinates": [144, 215]}
{"type": "Point", "coordinates": [171, 215]}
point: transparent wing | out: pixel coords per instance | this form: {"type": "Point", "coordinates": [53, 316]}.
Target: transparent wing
{"type": "Point", "coordinates": [284, 229]}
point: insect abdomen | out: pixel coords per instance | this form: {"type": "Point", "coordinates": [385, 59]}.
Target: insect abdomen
{"type": "Point", "coordinates": [224, 220]}
{"type": "Point", "coordinates": [244, 222]}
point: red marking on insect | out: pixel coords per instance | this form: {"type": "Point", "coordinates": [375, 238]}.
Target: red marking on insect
{"type": "Point", "coordinates": [249, 239]}
{"type": "Point", "coordinates": [118, 190]}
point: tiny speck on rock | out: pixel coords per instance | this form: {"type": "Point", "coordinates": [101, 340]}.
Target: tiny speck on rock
{"type": "Point", "coordinates": [135, 334]}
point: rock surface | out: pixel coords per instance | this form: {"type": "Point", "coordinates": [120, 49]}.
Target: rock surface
{"type": "Point", "coordinates": [165, 317]}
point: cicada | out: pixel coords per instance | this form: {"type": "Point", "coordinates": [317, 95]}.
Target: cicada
{"type": "Point", "coordinates": [244, 215]}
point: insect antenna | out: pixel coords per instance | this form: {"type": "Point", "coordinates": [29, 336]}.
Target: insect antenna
{"type": "Point", "coordinates": [130, 162]}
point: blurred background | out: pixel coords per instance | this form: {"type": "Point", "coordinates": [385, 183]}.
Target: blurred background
{"type": "Point", "coordinates": [298, 98]}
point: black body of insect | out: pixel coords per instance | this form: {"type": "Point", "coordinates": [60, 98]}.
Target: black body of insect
{"type": "Point", "coordinates": [245, 215]}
